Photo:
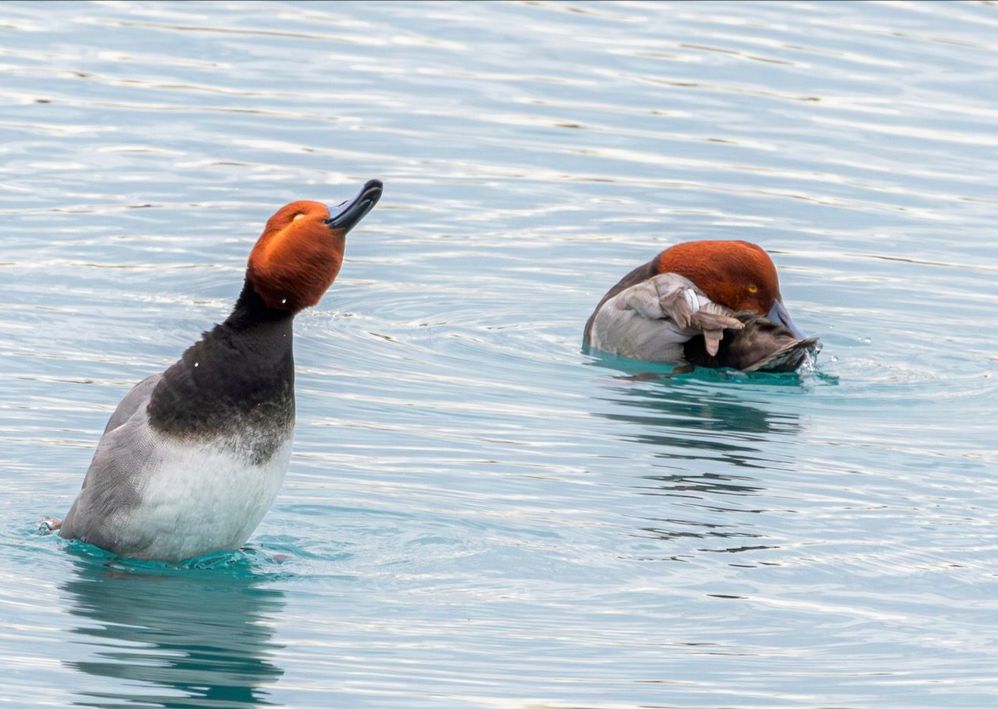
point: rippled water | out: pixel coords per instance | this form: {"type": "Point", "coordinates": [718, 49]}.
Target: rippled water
{"type": "Point", "coordinates": [477, 513]}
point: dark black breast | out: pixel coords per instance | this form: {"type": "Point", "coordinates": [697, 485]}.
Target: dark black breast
{"type": "Point", "coordinates": [761, 345]}
{"type": "Point", "coordinates": [236, 382]}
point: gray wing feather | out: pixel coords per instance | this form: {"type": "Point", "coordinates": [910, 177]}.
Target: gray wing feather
{"type": "Point", "coordinates": [110, 488]}
{"type": "Point", "coordinates": [652, 319]}
{"type": "Point", "coordinates": [134, 399]}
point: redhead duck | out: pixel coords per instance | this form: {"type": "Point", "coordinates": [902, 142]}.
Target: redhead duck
{"type": "Point", "coordinates": [193, 457]}
{"type": "Point", "coordinates": [705, 303]}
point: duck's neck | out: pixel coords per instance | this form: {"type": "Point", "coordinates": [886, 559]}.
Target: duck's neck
{"type": "Point", "coordinates": [238, 379]}
{"type": "Point", "coordinates": [251, 312]}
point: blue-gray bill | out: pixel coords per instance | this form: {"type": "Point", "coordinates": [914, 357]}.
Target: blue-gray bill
{"type": "Point", "coordinates": [346, 214]}
{"type": "Point", "coordinates": [780, 315]}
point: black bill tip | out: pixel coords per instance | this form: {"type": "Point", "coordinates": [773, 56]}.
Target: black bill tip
{"type": "Point", "coordinates": [346, 215]}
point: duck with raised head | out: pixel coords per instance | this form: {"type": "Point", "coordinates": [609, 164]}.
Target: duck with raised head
{"type": "Point", "coordinates": [193, 457]}
{"type": "Point", "coordinates": [703, 303]}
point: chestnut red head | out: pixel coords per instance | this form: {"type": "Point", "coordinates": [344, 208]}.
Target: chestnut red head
{"type": "Point", "coordinates": [298, 255]}
{"type": "Point", "coordinates": [737, 274]}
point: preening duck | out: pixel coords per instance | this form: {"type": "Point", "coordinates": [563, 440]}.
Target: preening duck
{"type": "Point", "coordinates": [705, 303]}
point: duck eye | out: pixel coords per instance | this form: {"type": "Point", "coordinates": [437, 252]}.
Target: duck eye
{"type": "Point", "coordinates": [298, 216]}
{"type": "Point", "coordinates": [753, 289]}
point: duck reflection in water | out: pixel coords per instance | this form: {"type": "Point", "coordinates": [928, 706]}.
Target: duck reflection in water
{"type": "Point", "coordinates": [712, 440]}
{"type": "Point", "coordinates": [205, 638]}
{"type": "Point", "coordinates": [696, 416]}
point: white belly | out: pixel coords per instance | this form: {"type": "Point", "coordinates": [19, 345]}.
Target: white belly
{"type": "Point", "coordinates": [197, 498]}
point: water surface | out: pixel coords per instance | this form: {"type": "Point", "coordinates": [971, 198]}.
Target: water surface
{"type": "Point", "coordinates": [477, 513]}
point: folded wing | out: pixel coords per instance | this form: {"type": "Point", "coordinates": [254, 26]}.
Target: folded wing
{"type": "Point", "coordinates": [652, 319]}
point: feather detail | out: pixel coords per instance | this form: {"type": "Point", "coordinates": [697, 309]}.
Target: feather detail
{"type": "Point", "coordinates": [653, 318]}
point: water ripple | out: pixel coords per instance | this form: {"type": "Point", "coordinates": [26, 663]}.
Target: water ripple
{"type": "Point", "coordinates": [477, 513]}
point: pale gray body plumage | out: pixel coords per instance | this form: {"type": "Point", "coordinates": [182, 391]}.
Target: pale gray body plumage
{"type": "Point", "coordinates": [652, 319]}
{"type": "Point", "coordinates": [146, 494]}
{"type": "Point", "coordinates": [109, 487]}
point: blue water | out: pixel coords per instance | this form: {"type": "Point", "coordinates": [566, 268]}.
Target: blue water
{"type": "Point", "coordinates": [477, 514]}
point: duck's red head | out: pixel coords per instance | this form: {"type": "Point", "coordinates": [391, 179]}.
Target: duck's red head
{"type": "Point", "coordinates": [737, 274]}
{"type": "Point", "coordinates": [298, 255]}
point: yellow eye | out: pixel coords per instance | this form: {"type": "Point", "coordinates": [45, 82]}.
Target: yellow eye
{"type": "Point", "coordinates": [753, 289]}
